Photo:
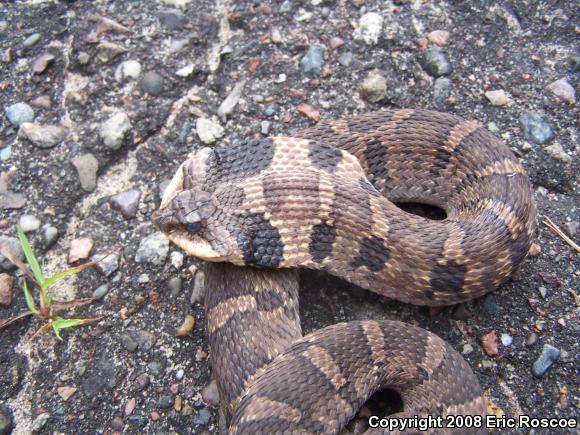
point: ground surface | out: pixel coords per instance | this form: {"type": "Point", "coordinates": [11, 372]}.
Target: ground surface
{"type": "Point", "coordinates": [198, 54]}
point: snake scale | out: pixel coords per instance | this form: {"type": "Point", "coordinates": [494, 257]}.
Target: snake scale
{"type": "Point", "coordinates": [325, 199]}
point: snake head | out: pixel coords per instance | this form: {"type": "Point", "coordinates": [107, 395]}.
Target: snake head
{"type": "Point", "coordinates": [187, 211]}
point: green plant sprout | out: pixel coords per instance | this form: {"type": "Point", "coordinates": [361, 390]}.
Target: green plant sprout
{"type": "Point", "coordinates": [47, 308]}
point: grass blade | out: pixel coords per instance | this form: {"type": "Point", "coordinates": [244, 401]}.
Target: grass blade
{"type": "Point", "coordinates": [28, 297]}
{"type": "Point", "coordinates": [59, 323]}
{"type": "Point", "coordinates": [30, 258]}
{"type": "Point", "coordinates": [73, 270]}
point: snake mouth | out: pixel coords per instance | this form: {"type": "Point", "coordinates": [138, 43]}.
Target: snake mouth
{"type": "Point", "coordinates": [192, 244]}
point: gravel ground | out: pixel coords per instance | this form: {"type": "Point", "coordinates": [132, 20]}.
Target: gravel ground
{"type": "Point", "coordinates": [104, 98]}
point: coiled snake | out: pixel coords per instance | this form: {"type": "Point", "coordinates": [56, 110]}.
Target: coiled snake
{"type": "Point", "coordinates": [324, 199]}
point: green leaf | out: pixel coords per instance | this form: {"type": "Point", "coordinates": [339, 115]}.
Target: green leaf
{"type": "Point", "coordinates": [60, 275]}
{"type": "Point", "coordinates": [30, 258]}
{"type": "Point", "coordinates": [28, 297]}
{"type": "Point", "coordinates": [59, 323]}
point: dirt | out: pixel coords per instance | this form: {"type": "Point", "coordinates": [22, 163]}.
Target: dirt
{"type": "Point", "coordinates": [516, 46]}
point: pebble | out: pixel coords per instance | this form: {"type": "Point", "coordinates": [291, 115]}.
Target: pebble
{"type": "Point", "coordinates": [83, 57]}
{"type": "Point", "coordinates": [155, 368]}
{"type": "Point", "coordinates": [174, 285]}
{"type": "Point", "coordinates": [543, 291]}
{"type": "Point", "coordinates": [227, 106]}
{"type": "Point", "coordinates": [312, 61]}
{"type": "Point", "coordinates": [19, 113]}
{"type": "Point", "coordinates": [346, 59]}
{"type": "Point", "coordinates": [153, 249]}
{"type": "Point", "coordinates": [489, 343]}
{"type": "Point", "coordinates": [271, 109]}
{"type": "Point", "coordinates": [177, 259]}
{"type": "Point", "coordinates": [107, 264]}
{"type": "Point", "coordinates": [336, 42]}
{"type": "Point", "coordinates": [43, 136]}
{"type": "Point", "coordinates": [141, 382]}
{"type": "Point", "coordinates": [108, 51]}
{"type": "Point", "coordinates": [439, 37]}
{"type": "Point", "coordinates": [31, 40]}
{"type": "Point", "coordinates": [6, 282]}
{"type": "Point", "coordinates": [536, 127]}
{"type": "Point", "coordinates": [202, 418]}
{"type": "Point", "coordinates": [130, 406]}
{"type": "Point", "coordinates": [173, 19]}
{"type": "Point", "coordinates": [435, 62]}
{"type": "Point", "coordinates": [100, 291]}
{"type": "Point", "coordinates": [87, 167]}
{"type": "Point", "coordinates": [126, 202]}
{"type": "Point", "coordinates": [117, 424]}
{"type": "Point", "coordinates": [13, 244]}
{"type": "Point", "coordinates": [547, 358]}
{"type": "Point", "coordinates": [265, 127]}
{"type": "Point", "coordinates": [532, 339]}
{"type": "Point", "coordinates": [165, 402]}
{"type": "Point", "coordinates": [143, 278]}
{"type": "Point", "coordinates": [210, 394]}
{"type": "Point", "coordinates": [179, 374]}
{"type": "Point", "coordinates": [563, 89]}
{"type": "Point", "coordinates": [208, 130]}
{"type": "Point", "coordinates": [5, 153]}
{"type": "Point", "coordinates": [276, 36]}
{"type": "Point", "coordinates": [186, 326]}
{"type": "Point", "coordinates": [66, 392]}
{"type": "Point", "coordinates": [571, 227]}
{"type": "Point", "coordinates": [137, 339]}
{"type": "Point", "coordinates": [309, 111]}
{"type": "Point", "coordinates": [5, 421]}
{"type": "Point", "coordinates": [506, 339]}
{"type": "Point", "coordinates": [498, 97]}
{"type": "Point", "coordinates": [129, 69]}
{"type": "Point", "coordinates": [29, 223]}
{"type": "Point", "coordinates": [114, 130]}
{"type": "Point", "coordinates": [12, 200]}
{"type": "Point", "coordinates": [41, 62]}
{"type": "Point", "coordinates": [535, 250]}
{"type": "Point", "coordinates": [374, 87]}
{"type": "Point", "coordinates": [198, 288]}
{"type": "Point", "coordinates": [467, 349]}
{"type": "Point", "coordinates": [49, 235]}
{"type": "Point", "coordinates": [42, 102]}
{"type": "Point", "coordinates": [369, 28]}
{"type": "Point", "coordinates": [556, 151]}
{"type": "Point", "coordinates": [441, 91]}
{"type": "Point", "coordinates": [152, 83]}
{"type": "Point", "coordinates": [186, 71]}
{"type": "Point", "coordinates": [80, 249]}
{"type": "Point", "coordinates": [40, 421]}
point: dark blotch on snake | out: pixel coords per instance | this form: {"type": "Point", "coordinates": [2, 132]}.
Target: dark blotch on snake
{"type": "Point", "coordinates": [373, 254]}
{"type": "Point", "coordinates": [448, 278]}
{"type": "Point", "coordinates": [321, 241]}
{"type": "Point", "coordinates": [260, 241]}
{"type": "Point", "coordinates": [324, 156]}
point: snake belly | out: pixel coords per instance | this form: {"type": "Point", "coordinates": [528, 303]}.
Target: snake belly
{"type": "Point", "coordinates": [324, 199]}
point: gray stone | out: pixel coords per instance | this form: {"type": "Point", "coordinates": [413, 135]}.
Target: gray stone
{"type": "Point", "coordinates": [441, 91]}
{"type": "Point", "coordinates": [107, 264]}
{"type": "Point", "coordinates": [152, 83]}
{"type": "Point", "coordinates": [114, 130]}
{"type": "Point", "coordinates": [231, 100]}
{"type": "Point", "coordinates": [208, 130]}
{"type": "Point", "coordinates": [29, 223]}
{"type": "Point", "coordinates": [41, 62]}
{"type": "Point", "coordinates": [100, 291]}
{"type": "Point", "coordinates": [271, 109]}
{"type": "Point", "coordinates": [40, 421]}
{"type": "Point", "coordinates": [265, 127]}
{"type": "Point", "coordinates": [198, 287]}
{"type": "Point", "coordinates": [498, 97]}
{"type": "Point", "coordinates": [369, 28]}
{"type": "Point", "coordinates": [87, 167]}
{"type": "Point", "coordinates": [210, 394]}
{"type": "Point", "coordinates": [5, 421]}
{"type": "Point", "coordinates": [19, 113]}
{"type": "Point", "coordinates": [5, 153]}
{"type": "Point", "coordinates": [43, 136]}
{"type": "Point", "coordinates": [42, 102]}
{"type": "Point", "coordinates": [173, 19]}
{"type": "Point", "coordinates": [536, 127]}
{"type": "Point", "coordinates": [128, 69]}
{"type": "Point", "coordinates": [31, 40]}
{"type": "Point", "coordinates": [153, 249]}
{"type": "Point", "coordinates": [49, 235]}
{"type": "Point", "coordinates": [126, 202]}
{"type": "Point", "coordinates": [571, 227]}
{"type": "Point", "coordinates": [84, 58]}
{"type": "Point", "coordinates": [137, 339]}
{"type": "Point", "coordinates": [100, 376]}
{"type": "Point", "coordinates": [374, 87]}
{"type": "Point", "coordinates": [12, 200]}
{"type": "Point", "coordinates": [165, 402]}
{"type": "Point", "coordinates": [563, 89]}
{"type": "Point", "coordinates": [108, 51]}
{"type": "Point", "coordinates": [13, 245]}
{"type": "Point", "coordinates": [155, 368]}
{"type": "Point", "coordinates": [435, 62]}
{"type": "Point", "coordinates": [547, 358]}
{"type": "Point", "coordinates": [312, 61]}
{"type": "Point", "coordinates": [202, 418]}
{"type": "Point", "coordinates": [177, 259]}
{"type": "Point", "coordinates": [556, 151]}
{"type": "Point", "coordinates": [532, 339]}
{"type": "Point", "coordinates": [174, 285]}
{"type": "Point", "coordinates": [141, 382]}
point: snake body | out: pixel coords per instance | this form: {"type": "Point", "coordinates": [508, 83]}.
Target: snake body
{"type": "Point", "coordinates": [324, 199]}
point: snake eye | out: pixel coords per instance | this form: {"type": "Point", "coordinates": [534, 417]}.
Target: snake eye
{"type": "Point", "coordinates": [193, 227]}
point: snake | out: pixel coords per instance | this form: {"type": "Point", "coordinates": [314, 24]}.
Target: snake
{"type": "Point", "coordinates": [328, 198]}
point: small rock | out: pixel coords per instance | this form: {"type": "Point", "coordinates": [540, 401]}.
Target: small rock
{"type": "Point", "coordinates": [6, 282]}
{"type": "Point", "coordinates": [108, 51]}
{"type": "Point", "coordinates": [532, 339]}
{"type": "Point", "coordinates": [309, 111]}
{"type": "Point", "coordinates": [114, 130]}
{"type": "Point", "coordinates": [498, 97]}
{"type": "Point", "coordinates": [231, 100]}
{"type": "Point", "coordinates": [210, 394]}
{"type": "Point", "coordinates": [174, 285]}
{"type": "Point", "coordinates": [441, 91]}
{"type": "Point", "coordinates": [154, 416]}
{"type": "Point", "coordinates": [177, 259]}
{"type": "Point", "coordinates": [126, 202]}
{"type": "Point", "coordinates": [312, 61]}
{"type": "Point", "coordinates": [265, 127]}
{"type": "Point", "coordinates": [179, 374]}
{"type": "Point", "coordinates": [467, 349]}
{"type": "Point", "coordinates": [87, 167]}
{"type": "Point", "coordinates": [571, 227]}
{"type": "Point", "coordinates": [200, 355]}
{"type": "Point", "coordinates": [117, 424]}
{"type": "Point", "coordinates": [336, 42]}
{"type": "Point", "coordinates": [489, 343]}
{"type": "Point", "coordinates": [208, 130]}
{"type": "Point", "coordinates": [40, 63]}
{"type": "Point", "coordinates": [155, 367]}
{"type": "Point", "coordinates": [40, 421]}
{"type": "Point", "coordinates": [42, 102]}
{"type": "Point", "coordinates": [506, 339]}
{"type": "Point", "coordinates": [556, 151]}
{"type": "Point", "coordinates": [198, 287]}
{"type": "Point", "coordinates": [137, 339]}
{"type": "Point", "coordinates": [49, 235]}
{"type": "Point", "coordinates": [153, 249]}
{"type": "Point", "coordinates": [547, 358]}
{"type": "Point", "coordinates": [143, 278]}
{"type": "Point", "coordinates": [31, 40]}
{"type": "Point", "coordinates": [374, 87]}
{"type": "Point", "coordinates": [29, 223]}
{"type": "Point", "coordinates": [543, 291]}
{"type": "Point", "coordinates": [346, 59]}
{"type": "Point", "coordinates": [563, 89]}
{"type": "Point", "coordinates": [80, 249]}
{"type": "Point", "coordinates": [129, 69]}
{"type": "Point", "coordinates": [43, 136]}
{"type": "Point", "coordinates": [165, 402]}
{"type": "Point", "coordinates": [100, 291]}
{"type": "Point", "coordinates": [435, 62]}
{"type": "Point", "coordinates": [66, 392]}
{"type": "Point", "coordinates": [439, 37]}
{"type": "Point", "coordinates": [186, 70]}
{"type": "Point", "coordinates": [202, 418]}
{"type": "Point", "coordinates": [141, 382]}
{"type": "Point", "coordinates": [152, 83]}
{"type": "Point", "coordinates": [536, 127]}
{"type": "Point", "coordinates": [19, 113]}
{"type": "Point", "coordinates": [535, 250]}
{"type": "Point", "coordinates": [13, 245]}
{"type": "Point", "coordinates": [84, 58]}
{"type": "Point", "coordinates": [369, 28]}
{"type": "Point", "coordinates": [186, 326]}
{"type": "Point", "coordinates": [5, 421]}
{"type": "Point", "coordinates": [5, 154]}
{"type": "Point", "coordinates": [107, 264]}
{"type": "Point", "coordinates": [173, 19]}
{"type": "Point", "coordinates": [130, 406]}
